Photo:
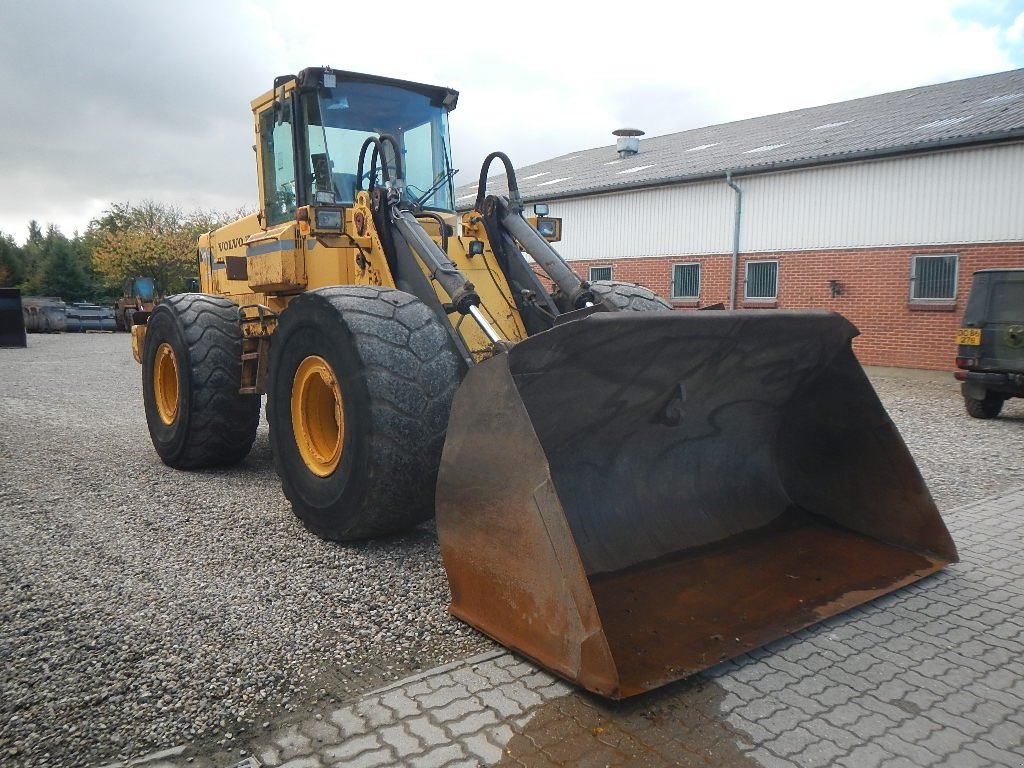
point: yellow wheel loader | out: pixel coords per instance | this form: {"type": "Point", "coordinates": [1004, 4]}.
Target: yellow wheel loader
{"type": "Point", "coordinates": [624, 494]}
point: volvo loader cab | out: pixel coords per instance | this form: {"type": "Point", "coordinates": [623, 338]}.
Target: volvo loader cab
{"type": "Point", "coordinates": [624, 493]}
{"type": "Point", "coordinates": [315, 132]}
{"type": "Point", "coordinates": [990, 342]}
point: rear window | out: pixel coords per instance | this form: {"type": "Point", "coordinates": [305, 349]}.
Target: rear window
{"type": "Point", "coordinates": [1007, 304]}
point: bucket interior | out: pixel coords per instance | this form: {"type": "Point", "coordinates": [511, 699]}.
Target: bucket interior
{"type": "Point", "coordinates": [667, 619]}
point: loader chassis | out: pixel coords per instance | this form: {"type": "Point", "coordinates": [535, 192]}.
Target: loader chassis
{"type": "Point", "coordinates": [623, 493]}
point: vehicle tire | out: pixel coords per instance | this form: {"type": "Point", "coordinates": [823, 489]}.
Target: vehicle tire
{"type": "Point", "coordinates": [987, 408]}
{"type": "Point", "coordinates": [628, 296]}
{"type": "Point", "coordinates": [191, 370]}
{"type": "Point", "coordinates": [358, 398]}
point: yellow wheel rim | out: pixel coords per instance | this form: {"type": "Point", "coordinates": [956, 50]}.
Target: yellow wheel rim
{"type": "Point", "coordinates": [165, 384]}
{"type": "Point", "coordinates": [318, 416]}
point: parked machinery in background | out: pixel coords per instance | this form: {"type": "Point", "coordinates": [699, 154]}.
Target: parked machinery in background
{"type": "Point", "coordinates": [138, 295]}
{"type": "Point", "coordinates": [12, 319]}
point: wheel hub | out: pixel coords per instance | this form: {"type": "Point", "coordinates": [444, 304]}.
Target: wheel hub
{"type": "Point", "coordinates": [165, 384]}
{"type": "Point", "coordinates": [318, 416]}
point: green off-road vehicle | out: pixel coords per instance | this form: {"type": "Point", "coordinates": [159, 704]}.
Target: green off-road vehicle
{"type": "Point", "coordinates": [990, 342]}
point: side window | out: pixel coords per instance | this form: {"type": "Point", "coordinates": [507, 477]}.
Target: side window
{"type": "Point", "coordinates": [762, 280]}
{"type": "Point", "coordinates": [278, 166]}
{"type": "Point", "coordinates": [933, 278]}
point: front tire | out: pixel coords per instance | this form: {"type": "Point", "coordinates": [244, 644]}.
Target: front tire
{"type": "Point", "coordinates": [360, 391]}
{"type": "Point", "coordinates": [191, 371]}
{"type": "Point", "coordinates": [987, 408]}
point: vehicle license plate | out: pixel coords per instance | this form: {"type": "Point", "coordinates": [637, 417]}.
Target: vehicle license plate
{"type": "Point", "coordinates": [970, 336]}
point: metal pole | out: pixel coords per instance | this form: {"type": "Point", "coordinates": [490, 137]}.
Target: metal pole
{"type": "Point", "coordinates": [735, 239]}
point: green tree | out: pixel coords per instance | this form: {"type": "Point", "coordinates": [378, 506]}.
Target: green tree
{"type": "Point", "coordinates": [12, 262]}
{"type": "Point", "coordinates": [58, 266]}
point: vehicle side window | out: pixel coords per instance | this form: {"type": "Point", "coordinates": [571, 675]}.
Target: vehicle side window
{"type": "Point", "coordinates": [278, 165]}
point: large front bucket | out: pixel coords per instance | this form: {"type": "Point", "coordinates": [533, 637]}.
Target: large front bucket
{"type": "Point", "coordinates": [633, 497]}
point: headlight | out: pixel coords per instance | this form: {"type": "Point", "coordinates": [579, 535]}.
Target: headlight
{"type": "Point", "coordinates": [547, 227]}
{"type": "Point", "coordinates": [329, 219]}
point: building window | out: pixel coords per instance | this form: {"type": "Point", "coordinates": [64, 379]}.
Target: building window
{"type": "Point", "coordinates": [933, 278]}
{"type": "Point", "coordinates": [685, 281]}
{"type": "Point", "coordinates": [762, 280]}
{"type": "Point", "coordinates": [600, 273]}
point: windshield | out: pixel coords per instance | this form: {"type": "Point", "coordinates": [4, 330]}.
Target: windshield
{"type": "Point", "coordinates": [340, 119]}
{"type": "Point", "coordinates": [145, 288]}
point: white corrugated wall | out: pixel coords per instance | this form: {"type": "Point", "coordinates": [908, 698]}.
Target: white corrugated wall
{"type": "Point", "coordinates": [962, 196]}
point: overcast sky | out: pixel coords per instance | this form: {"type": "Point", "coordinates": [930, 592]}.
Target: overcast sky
{"type": "Point", "coordinates": [126, 100]}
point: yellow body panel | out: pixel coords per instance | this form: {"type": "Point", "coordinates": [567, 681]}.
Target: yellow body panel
{"type": "Point", "coordinates": [276, 260]}
{"type": "Point", "coordinates": [250, 264]}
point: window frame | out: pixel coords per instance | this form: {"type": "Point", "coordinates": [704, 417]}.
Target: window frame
{"type": "Point", "coordinates": [914, 261]}
{"type": "Point", "coordinates": [746, 280]}
{"type": "Point", "coordinates": [590, 273]}
{"type": "Point", "coordinates": [672, 282]}
{"type": "Point", "coordinates": [272, 196]}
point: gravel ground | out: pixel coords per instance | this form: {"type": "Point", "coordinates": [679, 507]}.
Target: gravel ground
{"type": "Point", "coordinates": [142, 607]}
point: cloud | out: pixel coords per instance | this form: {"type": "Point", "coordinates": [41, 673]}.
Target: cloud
{"type": "Point", "coordinates": [115, 100]}
{"type": "Point", "coordinates": [1015, 34]}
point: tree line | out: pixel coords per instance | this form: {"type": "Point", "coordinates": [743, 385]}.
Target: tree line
{"type": "Point", "coordinates": [126, 241]}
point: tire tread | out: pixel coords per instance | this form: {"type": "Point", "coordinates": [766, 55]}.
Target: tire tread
{"type": "Point", "coordinates": [629, 296]}
{"type": "Point", "coordinates": [223, 423]}
{"type": "Point", "coordinates": [400, 342]}
{"type": "Point", "coordinates": [988, 408]}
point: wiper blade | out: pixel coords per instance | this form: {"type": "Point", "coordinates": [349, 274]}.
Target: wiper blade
{"type": "Point", "coordinates": [442, 178]}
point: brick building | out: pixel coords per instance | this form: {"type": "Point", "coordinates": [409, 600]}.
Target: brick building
{"type": "Point", "coordinates": [878, 208]}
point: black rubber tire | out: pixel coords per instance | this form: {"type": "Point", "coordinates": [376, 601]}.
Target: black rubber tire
{"type": "Point", "coordinates": [214, 425]}
{"type": "Point", "coordinates": [988, 408]}
{"type": "Point", "coordinates": [397, 370]}
{"type": "Point", "coordinates": [629, 296]}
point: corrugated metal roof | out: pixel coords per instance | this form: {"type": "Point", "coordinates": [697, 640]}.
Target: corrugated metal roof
{"type": "Point", "coordinates": [963, 112]}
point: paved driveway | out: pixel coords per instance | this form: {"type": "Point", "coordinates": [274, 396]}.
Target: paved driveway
{"type": "Point", "coordinates": [932, 675]}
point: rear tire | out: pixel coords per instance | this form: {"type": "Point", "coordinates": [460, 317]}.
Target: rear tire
{"type": "Point", "coordinates": [191, 371]}
{"type": "Point", "coordinates": [360, 391]}
{"type": "Point", "coordinates": [987, 408]}
{"type": "Point", "coordinates": [628, 296]}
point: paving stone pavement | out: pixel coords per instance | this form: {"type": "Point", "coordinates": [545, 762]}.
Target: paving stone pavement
{"type": "Point", "coordinates": [932, 675]}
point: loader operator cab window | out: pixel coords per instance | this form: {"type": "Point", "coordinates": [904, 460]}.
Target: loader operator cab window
{"type": "Point", "coordinates": [340, 119]}
{"type": "Point", "coordinates": [278, 165]}
{"type": "Point", "coordinates": [145, 288]}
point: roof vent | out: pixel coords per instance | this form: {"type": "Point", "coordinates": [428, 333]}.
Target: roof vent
{"type": "Point", "coordinates": [628, 143]}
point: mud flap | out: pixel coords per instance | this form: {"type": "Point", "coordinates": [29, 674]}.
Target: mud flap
{"type": "Point", "coordinates": [633, 497]}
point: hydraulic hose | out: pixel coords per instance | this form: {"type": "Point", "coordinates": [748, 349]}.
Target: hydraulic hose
{"type": "Point", "coordinates": [378, 151]}
{"type": "Point", "coordinates": [510, 174]}
{"type": "Point", "coordinates": [443, 228]}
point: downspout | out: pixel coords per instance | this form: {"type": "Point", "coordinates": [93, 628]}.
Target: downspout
{"type": "Point", "coordinates": [735, 239]}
